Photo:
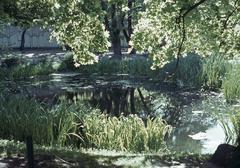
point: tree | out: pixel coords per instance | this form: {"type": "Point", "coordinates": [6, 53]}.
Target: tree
{"type": "Point", "coordinates": [171, 28]}
{"type": "Point", "coordinates": [25, 14]}
{"type": "Point", "coordinates": [88, 26]}
{"type": "Point", "coordinates": [78, 24]}
{"type": "Point", "coordinates": [120, 15]}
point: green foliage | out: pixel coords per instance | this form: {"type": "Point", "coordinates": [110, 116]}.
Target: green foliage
{"type": "Point", "coordinates": [188, 72]}
{"type": "Point", "coordinates": [67, 122]}
{"type": "Point", "coordinates": [76, 124]}
{"type": "Point", "coordinates": [26, 13]}
{"type": "Point", "coordinates": [235, 119]}
{"type": "Point", "coordinates": [135, 66]}
{"type": "Point", "coordinates": [78, 25]}
{"type": "Point", "coordinates": [21, 117]}
{"type": "Point", "coordinates": [125, 133]}
{"type": "Point", "coordinates": [168, 29]}
{"type": "Point", "coordinates": [231, 84]}
{"type": "Point", "coordinates": [231, 126]}
{"type": "Point", "coordinates": [25, 71]}
{"type": "Point", "coordinates": [214, 70]}
{"type": "Point", "coordinates": [60, 125]}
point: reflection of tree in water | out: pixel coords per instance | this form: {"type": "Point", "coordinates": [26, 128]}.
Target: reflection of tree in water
{"type": "Point", "coordinates": [115, 100]}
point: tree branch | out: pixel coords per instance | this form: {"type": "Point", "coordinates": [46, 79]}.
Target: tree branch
{"type": "Point", "coordinates": [181, 20]}
{"type": "Point", "coordinates": [193, 7]}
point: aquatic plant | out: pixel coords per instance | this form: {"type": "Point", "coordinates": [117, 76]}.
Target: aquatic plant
{"type": "Point", "coordinates": [23, 71]}
{"type": "Point", "coordinates": [231, 84]}
{"type": "Point", "coordinates": [26, 70]}
{"type": "Point", "coordinates": [231, 126]}
{"type": "Point", "coordinates": [125, 133]}
{"type": "Point", "coordinates": [214, 70]}
{"type": "Point", "coordinates": [20, 117]}
{"type": "Point", "coordinates": [132, 66]}
{"type": "Point", "coordinates": [77, 124]}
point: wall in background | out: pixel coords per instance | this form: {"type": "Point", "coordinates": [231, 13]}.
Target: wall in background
{"type": "Point", "coordinates": [35, 37]}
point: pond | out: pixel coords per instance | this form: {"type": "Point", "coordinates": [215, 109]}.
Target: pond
{"type": "Point", "coordinates": [192, 114]}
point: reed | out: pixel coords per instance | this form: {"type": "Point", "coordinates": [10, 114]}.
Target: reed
{"type": "Point", "coordinates": [76, 124]}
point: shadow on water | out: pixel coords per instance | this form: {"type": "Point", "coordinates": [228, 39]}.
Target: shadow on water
{"type": "Point", "coordinates": [195, 128]}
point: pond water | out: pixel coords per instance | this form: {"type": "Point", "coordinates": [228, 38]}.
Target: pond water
{"type": "Point", "coordinates": [193, 114]}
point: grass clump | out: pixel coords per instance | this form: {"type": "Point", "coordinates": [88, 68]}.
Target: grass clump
{"type": "Point", "coordinates": [231, 84]}
{"type": "Point", "coordinates": [214, 70]}
{"type": "Point", "coordinates": [24, 71]}
{"type": "Point", "coordinates": [125, 133]}
{"type": "Point", "coordinates": [136, 66]}
{"type": "Point", "coordinates": [76, 124]}
{"type": "Point", "coordinates": [20, 117]}
{"type": "Point", "coordinates": [60, 125]}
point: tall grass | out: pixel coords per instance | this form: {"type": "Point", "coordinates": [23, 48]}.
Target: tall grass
{"type": "Point", "coordinates": [125, 133]}
{"type": "Point", "coordinates": [77, 124]}
{"type": "Point", "coordinates": [137, 66]}
{"type": "Point", "coordinates": [20, 117]}
{"type": "Point", "coordinates": [231, 84]}
{"type": "Point", "coordinates": [231, 126]}
{"type": "Point", "coordinates": [25, 71]}
{"type": "Point", "coordinates": [215, 68]}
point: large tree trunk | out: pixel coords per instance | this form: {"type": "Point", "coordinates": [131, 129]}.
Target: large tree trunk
{"type": "Point", "coordinates": [22, 45]}
{"type": "Point", "coordinates": [130, 27]}
{"type": "Point", "coordinates": [115, 34]}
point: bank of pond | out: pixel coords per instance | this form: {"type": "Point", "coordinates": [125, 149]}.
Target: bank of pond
{"type": "Point", "coordinates": [148, 121]}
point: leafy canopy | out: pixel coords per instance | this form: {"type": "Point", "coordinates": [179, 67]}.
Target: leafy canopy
{"type": "Point", "coordinates": [25, 13]}
{"type": "Point", "coordinates": [78, 24]}
{"type": "Point", "coordinates": [170, 28]}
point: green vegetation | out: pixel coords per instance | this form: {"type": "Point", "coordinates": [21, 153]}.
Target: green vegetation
{"type": "Point", "coordinates": [235, 119]}
{"type": "Point", "coordinates": [171, 29]}
{"type": "Point", "coordinates": [126, 133]}
{"type": "Point", "coordinates": [214, 70]}
{"type": "Point", "coordinates": [231, 84]}
{"type": "Point", "coordinates": [24, 71]}
{"type": "Point", "coordinates": [76, 124]}
{"type": "Point", "coordinates": [166, 30]}
{"type": "Point", "coordinates": [134, 67]}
